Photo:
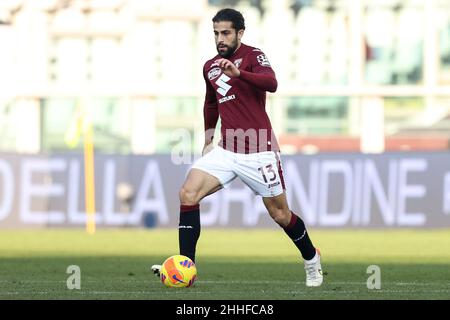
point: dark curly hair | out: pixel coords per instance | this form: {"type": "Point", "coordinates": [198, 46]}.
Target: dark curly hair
{"type": "Point", "coordinates": [232, 15]}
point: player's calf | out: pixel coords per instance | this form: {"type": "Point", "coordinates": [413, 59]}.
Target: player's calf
{"type": "Point", "coordinates": [281, 217]}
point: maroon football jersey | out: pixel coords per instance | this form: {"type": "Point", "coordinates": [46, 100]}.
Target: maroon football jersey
{"type": "Point", "coordinates": [240, 101]}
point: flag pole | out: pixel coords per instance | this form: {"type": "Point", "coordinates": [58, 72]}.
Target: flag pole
{"type": "Point", "coordinates": [89, 174]}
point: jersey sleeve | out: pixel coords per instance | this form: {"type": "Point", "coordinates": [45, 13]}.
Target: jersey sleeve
{"type": "Point", "coordinates": [210, 110]}
{"type": "Point", "coordinates": [261, 74]}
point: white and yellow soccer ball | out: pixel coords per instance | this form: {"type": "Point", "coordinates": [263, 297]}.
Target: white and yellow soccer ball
{"type": "Point", "coordinates": [178, 271]}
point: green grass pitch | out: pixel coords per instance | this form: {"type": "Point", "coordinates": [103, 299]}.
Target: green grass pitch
{"type": "Point", "coordinates": [232, 264]}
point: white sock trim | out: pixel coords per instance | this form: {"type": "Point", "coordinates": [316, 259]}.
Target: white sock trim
{"type": "Point", "coordinates": [314, 259]}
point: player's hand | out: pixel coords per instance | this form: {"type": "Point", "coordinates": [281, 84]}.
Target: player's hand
{"type": "Point", "coordinates": [207, 148]}
{"type": "Point", "coordinates": [228, 68]}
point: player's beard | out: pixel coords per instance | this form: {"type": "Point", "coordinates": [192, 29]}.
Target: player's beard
{"type": "Point", "coordinates": [230, 50]}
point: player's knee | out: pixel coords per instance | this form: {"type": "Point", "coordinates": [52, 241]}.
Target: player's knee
{"type": "Point", "coordinates": [281, 216]}
{"type": "Point", "coordinates": [188, 197]}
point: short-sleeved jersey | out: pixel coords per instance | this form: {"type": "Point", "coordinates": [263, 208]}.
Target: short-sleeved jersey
{"type": "Point", "coordinates": [241, 101]}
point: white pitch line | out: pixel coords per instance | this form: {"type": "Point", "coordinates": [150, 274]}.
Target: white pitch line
{"type": "Point", "coordinates": [24, 282]}
{"type": "Point", "coordinates": [335, 292]}
{"type": "Point", "coordinates": [325, 282]}
{"type": "Point", "coordinates": [99, 292]}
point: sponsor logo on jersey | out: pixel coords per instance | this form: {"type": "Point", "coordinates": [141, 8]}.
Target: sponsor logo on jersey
{"type": "Point", "coordinates": [262, 60]}
{"type": "Point", "coordinates": [214, 73]}
{"type": "Point", "coordinates": [224, 87]}
{"type": "Point", "coordinates": [238, 62]}
{"type": "Point", "coordinates": [227, 98]}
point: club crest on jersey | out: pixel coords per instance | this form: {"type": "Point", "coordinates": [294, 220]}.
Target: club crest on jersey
{"type": "Point", "coordinates": [214, 73]}
{"type": "Point", "coordinates": [262, 60]}
{"type": "Point", "coordinates": [238, 62]}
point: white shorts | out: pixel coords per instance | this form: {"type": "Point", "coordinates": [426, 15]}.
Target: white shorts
{"type": "Point", "coordinates": [260, 171]}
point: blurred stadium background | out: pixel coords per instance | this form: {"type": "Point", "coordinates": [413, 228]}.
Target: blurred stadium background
{"type": "Point", "coordinates": [354, 75]}
{"type": "Point", "coordinates": [362, 112]}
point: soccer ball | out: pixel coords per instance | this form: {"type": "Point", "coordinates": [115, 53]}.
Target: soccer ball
{"type": "Point", "coordinates": [178, 271]}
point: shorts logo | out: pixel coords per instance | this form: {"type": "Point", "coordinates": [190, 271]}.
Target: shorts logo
{"type": "Point", "coordinates": [274, 184]}
{"type": "Point", "coordinates": [213, 73]}
{"type": "Point", "coordinates": [238, 62]}
{"type": "Point", "coordinates": [262, 60]}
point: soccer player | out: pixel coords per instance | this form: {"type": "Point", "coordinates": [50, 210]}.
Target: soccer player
{"type": "Point", "coordinates": [236, 83]}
